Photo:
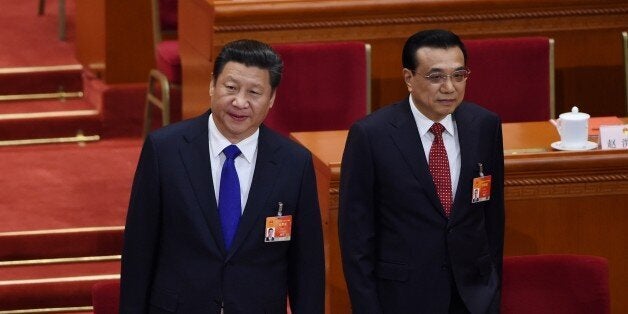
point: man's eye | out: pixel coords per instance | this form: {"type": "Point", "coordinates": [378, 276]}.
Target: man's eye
{"type": "Point", "coordinates": [436, 76]}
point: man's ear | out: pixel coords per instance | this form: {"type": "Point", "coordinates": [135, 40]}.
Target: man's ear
{"type": "Point", "coordinates": [407, 77]}
{"type": "Point", "coordinates": [211, 88]}
{"type": "Point", "coordinates": [272, 99]}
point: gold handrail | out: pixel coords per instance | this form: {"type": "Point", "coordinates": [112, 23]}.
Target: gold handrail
{"type": "Point", "coordinates": [79, 138]}
{"type": "Point", "coordinates": [51, 310]}
{"type": "Point", "coordinates": [61, 95]}
{"type": "Point", "coordinates": [61, 260]}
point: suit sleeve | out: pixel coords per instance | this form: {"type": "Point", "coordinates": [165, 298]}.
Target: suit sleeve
{"type": "Point", "coordinates": [306, 281]}
{"type": "Point", "coordinates": [356, 222]}
{"type": "Point", "coordinates": [495, 213]}
{"type": "Point", "coordinates": [141, 234]}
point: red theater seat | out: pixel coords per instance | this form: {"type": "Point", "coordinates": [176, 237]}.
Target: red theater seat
{"type": "Point", "coordinates": [325, 86]}
{"type": "Point", "coordinates": [555, 284]}
{"type": "Point", "coordinates": [513, 77]}
{"type": "Point", "coordinates": [165, 80]}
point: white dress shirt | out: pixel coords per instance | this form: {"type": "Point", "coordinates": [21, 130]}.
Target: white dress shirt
{"type": "Point", "coordinates": [244, 164]}
{"type": "Point", "coordinates": [450, 139]}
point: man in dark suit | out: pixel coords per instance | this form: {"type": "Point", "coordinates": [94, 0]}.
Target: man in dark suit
{"type": "Point", "coordinates": [194, 243]}
{"type": "Point", "coordinates": [412, 238]}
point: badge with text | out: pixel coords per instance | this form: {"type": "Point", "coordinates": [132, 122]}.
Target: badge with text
{"type": "Point", "coordinates": [278, 228]}
{"type": "Point", "coordinates": [481, 188]}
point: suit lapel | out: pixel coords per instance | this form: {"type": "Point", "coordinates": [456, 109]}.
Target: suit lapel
{"type": "Point", "coordinates": [195, 155]}
{"type": "Point", "coordinates": [406, 136]}
{"type": "Point", "coordinates": [264, 177]}
{"type": "Point", "coordinates": [468, 134]}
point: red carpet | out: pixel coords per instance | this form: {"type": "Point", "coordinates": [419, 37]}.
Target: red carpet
{"type": "Point", "coordinates": [66, 185]}
{"type": "Point", "coordinates": [17, 284]}
{"type": "Point", "coordinates": [50, 79]}
{"type": "Point", "coordinates": [27, 39]}
{"type": "Point", "coordinates": [61, 200]}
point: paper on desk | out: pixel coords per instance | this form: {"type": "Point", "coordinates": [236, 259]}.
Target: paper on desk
{"type": "Point", "coordinates": [595, 122]}
{"type": "Point", "coordinates": [614, 136]}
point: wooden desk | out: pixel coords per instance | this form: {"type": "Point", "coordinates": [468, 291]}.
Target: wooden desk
{"type": "Point", "coordinates": [556, 202]}
{"type": "Point", "coordinates": [587, 34]}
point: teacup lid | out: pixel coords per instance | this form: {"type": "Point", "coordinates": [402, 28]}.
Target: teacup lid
{"type": "Point", "coordinates": [574, 115]}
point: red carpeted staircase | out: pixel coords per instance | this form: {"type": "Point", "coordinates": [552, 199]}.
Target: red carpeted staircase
{"type": "Point", "coordinates": [63, 210]}
{"type": "Point", "coordinates": [63, 206]}
{"type": "Point", "coordinates": [45, 102]}
{"type": "Point", "coordinates": [55, 269]}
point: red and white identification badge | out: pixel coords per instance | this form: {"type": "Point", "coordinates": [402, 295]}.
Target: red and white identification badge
{"type": "Point", "coordinates": [278, 228]}
{"type": "Point", "coordinates": [481, 189]}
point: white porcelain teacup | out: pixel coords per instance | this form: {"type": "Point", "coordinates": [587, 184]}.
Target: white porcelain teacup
{"type": "Point", "coordinates": [573, 128]}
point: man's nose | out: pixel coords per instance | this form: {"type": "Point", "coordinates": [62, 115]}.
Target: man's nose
{"type": "Point", "coordinates": [240, 101]}
{"type": "Point", "coordinates": [448, 85]}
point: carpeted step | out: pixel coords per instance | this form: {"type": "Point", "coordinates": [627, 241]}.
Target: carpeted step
{"type": "Point", "coordinates": [47, 244]}
{"type": "Point", "coordinates": [48, 119]}
{"type": "Point", "coordinates": [38, 80]}
{"type": "Point", "coordinates": [66, 186]}
{"type": "Point", "coordinates": [45, 286]}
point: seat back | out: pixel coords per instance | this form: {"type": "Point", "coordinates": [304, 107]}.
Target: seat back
{"type": "Point", "coordinates": [325, 86]}
{"type": "Point", "coordinates": [164, 81]}
{"type": "Point", "coordinates": [165, 19]}
{"type": "Point", "coordinates": [624, 36]}
{"type": "Point", "coordinates": [513, 77]}
{"type": "Point", "coordinates": [555, 284]}
{"type": "Point", "coordinates": [106, 297]}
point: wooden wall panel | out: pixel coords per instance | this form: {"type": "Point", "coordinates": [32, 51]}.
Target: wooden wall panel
{"type": "Point", "coordinates": [587, 35]}
{"type": "Point", "coordinates": [195, 42]}
{"type": "Point", "coordinates": [114, 39]}
{"type": "Point", "coordinates": [90, 33]}
{"type": "Point", "coordinates": [128, 41]}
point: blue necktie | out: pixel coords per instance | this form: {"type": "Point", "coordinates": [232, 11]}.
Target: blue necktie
{"type": "Point", "coordinates": [229, 196]}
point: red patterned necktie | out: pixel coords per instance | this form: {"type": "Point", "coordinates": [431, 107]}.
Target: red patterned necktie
{"type": "Point", "coordinates": [439, 168]}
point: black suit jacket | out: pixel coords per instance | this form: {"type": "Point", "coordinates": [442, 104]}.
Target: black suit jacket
{"type": "Point", "coordinates": [400, 253]}
{"type": "Point", "coordinates": [174, 259]}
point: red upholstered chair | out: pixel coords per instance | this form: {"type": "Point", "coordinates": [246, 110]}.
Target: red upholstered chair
{"type": "Point", "coordinates": [555, 284]}
{"type": "Point", "coordinates": [513, 77]}
{"type": "Point", "coordinates": [106, 297]}
{"type": "Point", "coordinates": [325, 86]}
{"type": "Point", "coordinates": [164, 81]}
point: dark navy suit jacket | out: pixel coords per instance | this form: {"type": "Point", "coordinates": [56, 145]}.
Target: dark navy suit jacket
{"type": "Point", "coordinates": [400, 253]}
{"type": "Point", "coordinates": [174, 259]}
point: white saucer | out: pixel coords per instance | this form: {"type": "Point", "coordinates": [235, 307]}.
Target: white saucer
{"type": "Point", "coordinates": [589, 145]}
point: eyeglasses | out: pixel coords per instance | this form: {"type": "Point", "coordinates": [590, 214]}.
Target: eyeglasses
{"type": "Point", "coordinates": [457, 76]}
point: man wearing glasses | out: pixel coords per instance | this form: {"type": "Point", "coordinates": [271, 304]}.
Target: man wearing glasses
{"type": "Point", "coordinates": [421, 218]}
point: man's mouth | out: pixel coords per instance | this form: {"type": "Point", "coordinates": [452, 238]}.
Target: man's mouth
{"type": "Point", "coordinates": [237, 117]}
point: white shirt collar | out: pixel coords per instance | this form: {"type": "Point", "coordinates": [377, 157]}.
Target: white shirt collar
{"type": "Point", "coordinates": [218, 142]}
{"type": "Point", "coordinates": [424, 123]}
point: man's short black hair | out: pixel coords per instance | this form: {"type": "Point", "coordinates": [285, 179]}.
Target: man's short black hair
{"type": "Point", "coordinates": [250, 53]}
{"type": "Point", "coordinates": [433, 38]}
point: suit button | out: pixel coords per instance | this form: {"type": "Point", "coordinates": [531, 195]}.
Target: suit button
{"type": "Point", "coordinates": [444, 267]}
{"type": "Point", "coordinates": [230, 263]}
{"type": "Point", "coordinates": [450, 230]}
